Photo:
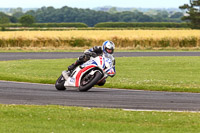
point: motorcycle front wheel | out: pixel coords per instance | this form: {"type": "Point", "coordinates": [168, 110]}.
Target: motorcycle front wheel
{"type": "Point", "coordinates": [60, 83]}
{"type": "Point", "coordinates": [89, 82]}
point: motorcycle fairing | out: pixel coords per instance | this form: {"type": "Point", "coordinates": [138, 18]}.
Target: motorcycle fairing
{"type": "Point", "coordinates": [74, 81]}
{"type": "Point", "coordinates": [81, 73]}
{"type": "Point", "coordinates": [98, 62]}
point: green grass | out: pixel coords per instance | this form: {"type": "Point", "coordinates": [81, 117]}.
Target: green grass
{"type": "Point", "coordinates": [180, 74]}
{"type": "Point", "coordinates": [60, 119]}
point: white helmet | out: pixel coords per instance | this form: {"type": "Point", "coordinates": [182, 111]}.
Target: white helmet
{"type": "Point", "coordinates": [108, 47]}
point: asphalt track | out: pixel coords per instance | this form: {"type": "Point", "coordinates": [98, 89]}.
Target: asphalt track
{"type": "Point", "coordinates": [60, 55]}
{"type": "Point", "coordinates": [41, 94]}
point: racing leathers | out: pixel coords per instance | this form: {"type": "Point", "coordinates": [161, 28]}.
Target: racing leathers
{"type": "Point", "coordinates": [93, 52]}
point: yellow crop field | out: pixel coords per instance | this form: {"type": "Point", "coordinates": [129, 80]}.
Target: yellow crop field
{"type": "Point", "coordinates": [102, 34]}
{"type": "Point", "coordinates": [122, 38]}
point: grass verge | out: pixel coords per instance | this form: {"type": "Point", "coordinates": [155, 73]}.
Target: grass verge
{"type": "Point", "coordinates": [179, 74]}
{"type": "Point", "coordinates": [60, 119]}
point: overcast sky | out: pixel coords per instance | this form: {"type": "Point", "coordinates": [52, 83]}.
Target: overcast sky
{"type": "Point", "coordinates": [93, 3]}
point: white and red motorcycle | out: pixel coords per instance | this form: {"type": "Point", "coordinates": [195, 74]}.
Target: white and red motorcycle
{"type": "Point", "coordinates": [85, 76]}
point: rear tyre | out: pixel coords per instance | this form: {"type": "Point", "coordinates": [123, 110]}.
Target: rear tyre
{"type": "Point", "coordinates": [60, 83]}
{"type": "Point", "coordinates": [91, 83]}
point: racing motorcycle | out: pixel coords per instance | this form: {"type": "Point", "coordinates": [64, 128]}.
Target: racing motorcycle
{"type": "Point", "coordinates": [85, 76]}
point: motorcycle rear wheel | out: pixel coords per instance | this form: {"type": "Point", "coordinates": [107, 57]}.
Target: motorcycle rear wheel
{"type": "Point", "coordinates": [97, 77]}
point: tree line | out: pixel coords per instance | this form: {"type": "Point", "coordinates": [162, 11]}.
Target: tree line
{"type": "Point", "coordinates": [193, 11]}
{"type": "Point", "coordinates": [92, 17]}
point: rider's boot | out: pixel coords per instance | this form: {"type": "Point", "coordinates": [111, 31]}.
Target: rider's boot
{"type": "Point", "coordinates": [67, 73]}
{"type": "Point", "coordinates": [72, 67]}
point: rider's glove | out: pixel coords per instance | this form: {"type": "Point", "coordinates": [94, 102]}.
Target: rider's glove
{"type": "Point", "coordinates": [93, 54]}
{"type": "Point", "coordinates": [87, 55]}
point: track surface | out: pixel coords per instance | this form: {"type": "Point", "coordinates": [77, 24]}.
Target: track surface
{"type": "Point", "coordinates": [60, 55]}
{"type": "Point", "coordinates": [40, 94]}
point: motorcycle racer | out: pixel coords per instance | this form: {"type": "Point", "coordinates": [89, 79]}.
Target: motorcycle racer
{"type": "Point", "coordinates": [107, 49]}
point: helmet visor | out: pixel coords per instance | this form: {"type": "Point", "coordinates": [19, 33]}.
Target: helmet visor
{"type": "Point", "coordinates": [110, 51]}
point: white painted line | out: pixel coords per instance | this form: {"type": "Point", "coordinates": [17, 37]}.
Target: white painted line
{"type": "Point", "coordinates": [16, 82]}
{"type": "Point", "coordinates": [24, 83]}
{"type": "Point", "coordinates": [119, 89]}
{"type": "Point", "coordinates": [160, 110]}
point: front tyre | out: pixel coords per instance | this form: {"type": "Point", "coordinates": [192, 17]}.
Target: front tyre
{"type": "Point", "coordinates": [86, 85]}
{"type": "Point", "coordinates": [60, 83]}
